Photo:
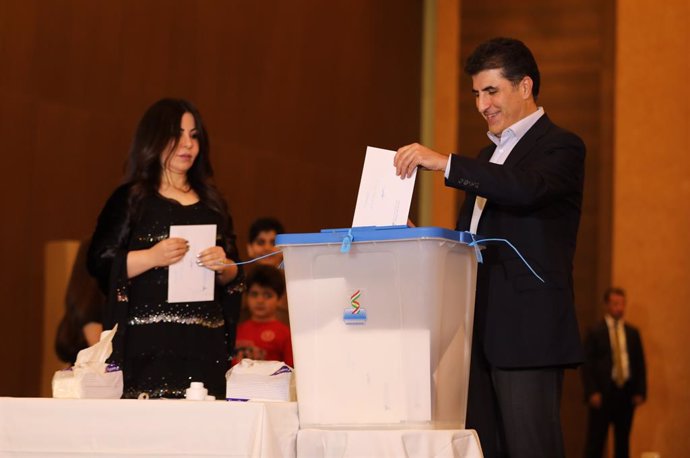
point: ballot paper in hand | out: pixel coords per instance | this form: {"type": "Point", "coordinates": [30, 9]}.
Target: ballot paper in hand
{"type": "Point", "coordinates": [384, 199]}
{"type": "Point", "coordinates": [187, 281]}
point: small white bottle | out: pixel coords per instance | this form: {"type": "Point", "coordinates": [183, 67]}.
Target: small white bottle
{"type": "Point", "coordinates": [196, 392]}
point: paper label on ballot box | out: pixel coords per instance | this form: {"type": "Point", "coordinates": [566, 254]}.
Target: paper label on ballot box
{"type": "Point", "coordinates": [355, 314]}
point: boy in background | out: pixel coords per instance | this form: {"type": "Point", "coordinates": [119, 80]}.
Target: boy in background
{"type": "Point", "coordinates": [262, 336]}
{"type": "Point", "coordinates": [262, 240]}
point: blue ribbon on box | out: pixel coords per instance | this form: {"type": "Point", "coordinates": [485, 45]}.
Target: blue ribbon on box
{"type": "Point", "coordinates": [475, 242]}
{"type": "Point", "coordinates": [465, 237]}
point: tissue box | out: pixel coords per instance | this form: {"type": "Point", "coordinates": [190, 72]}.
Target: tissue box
{"type": "Point", "coordinates": [74, 383]}
{"type": "Point", "coordinates": [259, 380]}
{"type": "Point", "coordinates": [91, 376]}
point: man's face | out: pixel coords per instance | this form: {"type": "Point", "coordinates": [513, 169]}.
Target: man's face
{"type": "Point", "coordinates": [616, 306]}
{"type": "Point", "coordinates": [501, 102]}
{"type": "Point", "coordinates": [263, 244]}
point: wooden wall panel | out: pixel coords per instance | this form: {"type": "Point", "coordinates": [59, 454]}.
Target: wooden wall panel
{"type": "Point", "coordinates": [652, 210]}
{"type": "Point", "coordinates": [571, 41]}
{"type": "Point", "coordinates": [291, 92]}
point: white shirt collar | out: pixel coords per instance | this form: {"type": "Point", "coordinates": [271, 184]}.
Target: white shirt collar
{"type": "Point", "coordinates": [610, 321]}
{"type": "Point", "coordinates": [519, 129]}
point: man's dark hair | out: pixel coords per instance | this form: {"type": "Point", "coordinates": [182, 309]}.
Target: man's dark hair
{"type": "Point", "coordinates": [508, 54]}
{"type": "Point", "coordinates": [611, 291]}
{"type": "Point", "coordinates": [262, 225]}
{"type": "Point", "coordinates": [267, 277]}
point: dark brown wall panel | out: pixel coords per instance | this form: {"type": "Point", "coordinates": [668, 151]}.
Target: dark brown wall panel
{"type": "Point", "coordinates": [292, 93]}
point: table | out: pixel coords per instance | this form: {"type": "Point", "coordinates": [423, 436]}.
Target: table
{"type": "Point", "coordinates": [414, 443]}
{"type": "Point", "coordinates": [44, 427]}
{"type": "Point", "coordinates": [33, 427]}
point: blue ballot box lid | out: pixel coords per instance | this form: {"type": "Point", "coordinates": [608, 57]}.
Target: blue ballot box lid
{"type": "Point", "coordinates": [373, 233]}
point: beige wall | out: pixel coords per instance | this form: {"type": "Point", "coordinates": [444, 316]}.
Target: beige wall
{"type": "Point", "coordinates": [58, 259]}
{"type": "Point", "coordinates": [440, 110]}
{"type": "Point", "coordinates": [651, 209]}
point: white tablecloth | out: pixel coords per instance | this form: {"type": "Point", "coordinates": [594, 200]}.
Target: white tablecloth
{"type": "Point", "coordinates": [42, 427]}
{"type": "Point", "coordinates": [32, 427]}
{"type": "Point", "coordinates": [388, 443]}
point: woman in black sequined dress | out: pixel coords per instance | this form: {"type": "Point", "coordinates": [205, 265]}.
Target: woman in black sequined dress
{"type": "Point", "coordinates": [163, 346]}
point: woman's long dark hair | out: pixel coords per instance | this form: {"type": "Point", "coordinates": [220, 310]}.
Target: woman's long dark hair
{"type": "Point", "coordinates": [160, 126]}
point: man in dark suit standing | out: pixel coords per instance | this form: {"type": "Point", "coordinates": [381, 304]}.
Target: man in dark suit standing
{"type": "Point", "coordinates": [614, 377]}
{"type": "Point", "coordinates": [525, 187]}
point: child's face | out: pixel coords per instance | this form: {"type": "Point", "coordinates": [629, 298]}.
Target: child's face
{"type": "Point", "coordinates": [263, 244]}
{"type": "Point", "coordinates": [262, 302]}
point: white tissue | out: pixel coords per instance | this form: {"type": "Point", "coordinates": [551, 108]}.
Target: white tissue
{"type": "Point", "coordinates": [260, 381]}
{"type": "Point", "coordinates": [88, 377]}
{"type": "Point", "coordinates": [92, 359]}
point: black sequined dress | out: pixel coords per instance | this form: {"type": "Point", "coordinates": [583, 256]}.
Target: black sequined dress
{"type": "Point", "coordinates": [164, 346]}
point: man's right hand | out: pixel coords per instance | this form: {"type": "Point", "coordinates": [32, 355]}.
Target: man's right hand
{"type": "Point", "coordinates": [409, 157]}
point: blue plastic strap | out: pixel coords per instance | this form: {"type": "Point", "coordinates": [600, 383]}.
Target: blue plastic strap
{"type": "Point", "coordinates": [252, 260]}
{"type": "Point", "coordinates": [477, 250]}
{"type": "Point", "coordinates": [347, 242]}
{"type": "Point", "coordinates": [477, 241]}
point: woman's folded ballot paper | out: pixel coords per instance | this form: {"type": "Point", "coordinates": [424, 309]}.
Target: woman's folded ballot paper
{"type": "Point", "coordinates": [91, 376]}
{"type": "Point", "coordinates": [260, 381]}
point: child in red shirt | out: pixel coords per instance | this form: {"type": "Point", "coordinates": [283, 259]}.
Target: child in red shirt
{"type": "Point", "coordinates": [262, 336]}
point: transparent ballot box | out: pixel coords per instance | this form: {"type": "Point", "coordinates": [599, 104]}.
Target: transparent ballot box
{"type": "Point", "coordinates": [381, 322]}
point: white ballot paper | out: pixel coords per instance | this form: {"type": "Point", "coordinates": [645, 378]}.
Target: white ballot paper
{"type": "Point", "coordinates": [188, 282]}
{"type": "Point", "coordinates": [384, 199]}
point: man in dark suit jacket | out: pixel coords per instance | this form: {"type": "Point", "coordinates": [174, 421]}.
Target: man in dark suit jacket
{"type": "Point", "coordinates": [526, 187]}
{"type": "Point", "coordinates": [614, 385]}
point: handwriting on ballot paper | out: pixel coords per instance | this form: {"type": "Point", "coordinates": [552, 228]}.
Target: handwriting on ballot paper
{"type": "Point", "coordinates": [383, 199]}
{"type": "Point", "coordinates": [188, 282]}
